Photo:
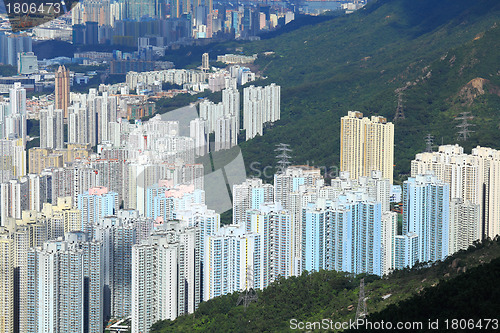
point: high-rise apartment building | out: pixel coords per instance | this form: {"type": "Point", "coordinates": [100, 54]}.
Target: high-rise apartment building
{"type": "Point", "coordinates": [366, 145]}
{"type": "Point", "coordinates": [231, 257]}
{"type": "Point", "coordinates": [17, 96]}
{"type": "Point", "coordinates": [11, 45]}
{"type": "Point", "coordinates": [27, 63]}
{"type": "Point", "coordinates": [28, 231]}
{"type": "Point", "coordinates": [62, 217]}
{"type": "Point", "coordinates": [210, 112]}
{"type": "Point", "coordinates": [118, 235]}
{"type": "Point", "coordinates": [406, 250]}
{"type": "Point", "coordinates": [207, 223]}
{"type": "Point", "coordinates": [12, 159]}
{"type": "Point", "coordinates": [226, 133]}
{"type": "Point", "coordinates": [250, 195]}
{"type": "Point", "coordinates": [451, 165]}
{"type": "Point", "coordinates": [274, 225]}
{"type": "Point", "coordinates": [198, 130]}
{"type": "Point", "coordinates": [205, 62]}
{"type": "Point", "coordinates": [426, 202]}
{"type": "Point", "coordinates": [106, 108]}
{"type": "Point", "coordinates": [52, 129]}
{"type": "Point", "coordinates": [15, 122]}
{"type": "Point", "coordinates": [136, 9]}
{"type": "Point", "coordinates": [389, 232]}
{"type": "Point", "coordinates": [40, 159]}
{"type": "Point", "coordinates": [344, 235]}
{"type": "Point", "coordinates": [6, 281]}
{"type": "Point", "coordinates": [93, 280]}
{"type": "Point", "coordinates": [55, 288]}
{"type": "Point", "coordinates": [465, 224]}
{"type": "Point", "coordinates": [82, 124]}
{"type": "Point", "coordinates": [260, 105]}
{"type": "Point", "coordinates": [287, 184]}
{"type": "Point", "coordinates": [231, 103]}
{"type": "Point", "coordinates": [168, 263]}
{"type": "Point", "coordinates": [95, 204]}
{"type": "Point", "coordinates": [62, 100]}
{"type": "Point", "coordinates": [14, 199]}
{"type": "Point", "coordinates": [490, 165]}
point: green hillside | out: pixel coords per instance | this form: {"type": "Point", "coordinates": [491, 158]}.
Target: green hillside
{"type": "Point", "coordinates": [430, 49]}
{"type": "Point", "coordinates": [469, 302]}
{"type": "Point", "coordinates": [334, 295]}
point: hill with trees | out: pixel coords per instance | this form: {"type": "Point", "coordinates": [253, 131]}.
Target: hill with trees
{"type": "Point", "coordinates": [438, 58]}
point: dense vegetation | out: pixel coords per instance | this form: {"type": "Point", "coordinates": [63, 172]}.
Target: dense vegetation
{"type": "Point", "coordinates": [334, 295]}
{"type": "Point", "coordinates": [467, 302]}
{"type": "Point", "coordinates": [7, 70]}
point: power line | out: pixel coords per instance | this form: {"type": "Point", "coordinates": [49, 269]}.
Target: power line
{"type": "Point", "coordinates": [464, 131]}
{"type": "Point", "coordinates": [429, 143]}
{"type": "Point", "coordinates": [283, 157]}
{"type": "Point", "coordinates": [361, 311]}
{"type": "Point", "coordinates": [400, 108]}
{"type": "Point", "coordinates": [250, 295]}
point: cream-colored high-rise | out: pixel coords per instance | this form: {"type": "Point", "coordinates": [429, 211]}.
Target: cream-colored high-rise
{"type": "Point", "coordinates": [473, 178]}
{"type": "Point", "coordinates": [6, 282]}
{"type": "Point", "coordinates": [490, 165]}
{"type": "Point", "coordinates": [366, 145]}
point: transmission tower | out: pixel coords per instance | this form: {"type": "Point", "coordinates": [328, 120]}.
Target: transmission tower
{"type": "Point", "coordinates": [361, 311]}
{"type": "Point", "coordinates": [464, 131]}
{"type": "Point", "coordinates": [429, 140]}
{"type": "Point", "coordinates": [400, 109]}
{"type": "Point", "coordinates": [250, 295]}
{"type": "Point", "coordinates": [283, 156]}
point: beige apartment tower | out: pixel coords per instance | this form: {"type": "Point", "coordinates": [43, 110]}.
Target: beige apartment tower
{"type": "Point", "coordinates": [366, 145]}
{"type": "Point", "coordinates": [62, 89]}
{"type": "Point", "coordinates": [205, 62]}
{"type": "Point", "coordinates": [6, 282]}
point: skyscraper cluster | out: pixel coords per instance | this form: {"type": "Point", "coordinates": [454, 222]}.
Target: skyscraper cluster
{"type": "Point", "coordinates": [473, 181]}
{"type": "Point", "coordinates": [203, 19]}
{"type": "Point", "coordinates": [90, 117]}
{"type": "Point", "coordinates": [174, 76]}
{"type": "Point", "coordinates": [260, 105]}
{"type": "Point", "coordinates": [127, 230]}
{"type": "Point", "coordinates": [13, 114]}
{"type": "Point", "coordinates": [11, 45]}
{"type": "Point", "coordinates": [223, 119]}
